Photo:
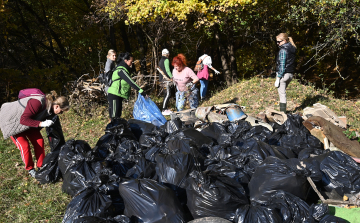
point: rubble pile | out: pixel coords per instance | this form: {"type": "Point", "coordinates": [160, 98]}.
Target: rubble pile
{"type": "Point", "coordinates": [139, 172]}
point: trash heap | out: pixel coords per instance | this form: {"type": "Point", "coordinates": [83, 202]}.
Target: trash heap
{"type": "Point", "coordinates": [138, 172]}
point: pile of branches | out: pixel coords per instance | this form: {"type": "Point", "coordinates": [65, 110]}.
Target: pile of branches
{"type": "Point", "coordinates": [87, 93]}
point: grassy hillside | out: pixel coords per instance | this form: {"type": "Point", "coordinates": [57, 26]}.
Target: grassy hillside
{"type": "Point", "coordinates": [22, 199]}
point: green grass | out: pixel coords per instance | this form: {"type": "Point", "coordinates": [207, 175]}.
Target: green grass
{"type": "Point", "coordinates": [24, 200]}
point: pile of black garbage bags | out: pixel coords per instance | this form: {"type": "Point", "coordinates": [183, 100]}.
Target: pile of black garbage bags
{"type": "Point", "coordinates": [138, 172]}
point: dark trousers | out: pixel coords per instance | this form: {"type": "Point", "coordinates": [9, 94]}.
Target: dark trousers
{"type": "Point", "coordinates": [115, 106]}
{"type": "Point", "coordinates": [166, 94]}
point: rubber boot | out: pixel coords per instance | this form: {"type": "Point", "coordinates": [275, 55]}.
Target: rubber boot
{"type": "Point", "coordinates": [283, 107]}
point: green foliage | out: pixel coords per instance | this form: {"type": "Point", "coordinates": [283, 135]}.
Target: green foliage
{"type": "Point", "coordinates": [351, 134]}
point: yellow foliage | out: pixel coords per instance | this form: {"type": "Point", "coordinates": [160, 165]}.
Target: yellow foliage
{"type": "Point", "coordinates": [140, 11]}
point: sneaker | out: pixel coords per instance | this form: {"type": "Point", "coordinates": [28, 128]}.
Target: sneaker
{"type": "Point", "coordinates": [32, 172]}
{"type": "Point", "coordinates": [166, 112]}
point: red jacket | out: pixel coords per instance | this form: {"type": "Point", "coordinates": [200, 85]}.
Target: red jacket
{"type": "Point", "coordinates": [33, 108]}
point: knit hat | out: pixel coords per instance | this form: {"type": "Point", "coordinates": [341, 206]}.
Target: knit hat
{"type": "Point", "coordinates": [165, 51]}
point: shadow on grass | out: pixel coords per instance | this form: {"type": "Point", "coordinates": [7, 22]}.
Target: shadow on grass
{"type": "Point", "coordinates": [309, 101]}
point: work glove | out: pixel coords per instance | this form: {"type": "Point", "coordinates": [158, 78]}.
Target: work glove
{"type": "Point", "coordinates": [277, 82]}
{"type": "Point", "coordinates": [46, 123]}
{"type": "Point", "coordinates": [217, 72]}
{"type": "Point", "coordinates": [190, 86]}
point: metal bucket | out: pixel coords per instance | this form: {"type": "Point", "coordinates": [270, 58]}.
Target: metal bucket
{"type": "Point", "coordinates": [235, 113]}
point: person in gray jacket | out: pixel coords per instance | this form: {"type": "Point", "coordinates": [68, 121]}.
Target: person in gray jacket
{"type": "Point", "coordinates": [110, 63]}
{"type": "Point", "coordinates": [22, 120]}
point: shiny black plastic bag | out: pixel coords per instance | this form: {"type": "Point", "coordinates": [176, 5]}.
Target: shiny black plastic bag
{"type": "Point", "coordinates": [172, 126]}
{"type": "Point", "coordinates": [129, 150]}
{"type": "Point", "coordinates": [341, 173]}
{"type": "Point", "coordinates": [50, 172]}
{"type": "Point", "coordinates": [139, 127]}
{"type": "Point", "coordinates": [174, 169]}
{"type": "Point", "coordinates": [150, 201]}
{"type": "Point", "coordinates": [332, 219]}
{"type": "Point", "coordinates": [213, 195]}
{"type": "Point", "coordinates": [116, 132]}
{"type": "Point", "coordinates": [291, 208]}
{"type": "Point", "coordinates": [274, 174]}
{"type": "Point", "coordinates": [117, 219]}
{"type": "Point", "coordinates": [69, 151]}
{"type": "Point", "coordinates": [91, 201]}
{"type": "Point", "coordinates": [257, 214]}
{"type": "Point", "coordinates": [318, 211]}
{"type": "Point", "coordinates": [142, 169]}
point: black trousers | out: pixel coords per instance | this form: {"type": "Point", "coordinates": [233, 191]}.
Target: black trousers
{"type": "Point", "coordinates": [115, 106]}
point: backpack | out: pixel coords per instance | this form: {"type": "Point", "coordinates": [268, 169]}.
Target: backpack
{"type": "Point", "coordinates": [30, 92]}
{"type": "Point", "coordinates": [106, 77]}
{"type": "Point", "coordinates": [199, 65]}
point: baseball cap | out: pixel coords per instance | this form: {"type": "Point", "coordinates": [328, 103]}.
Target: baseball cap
{"type": "Point", "coordinates": [165, 51]}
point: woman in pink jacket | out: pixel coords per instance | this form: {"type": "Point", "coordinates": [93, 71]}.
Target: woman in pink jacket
{"type": "Point", "coordinates": [185, 80]}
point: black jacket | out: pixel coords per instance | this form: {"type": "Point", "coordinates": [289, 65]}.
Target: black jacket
{"type": "Point", "coordinates": [290, 63]}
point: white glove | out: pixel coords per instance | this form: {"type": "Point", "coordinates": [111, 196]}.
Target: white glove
{"type": "Point", "coordinates": [277, 82]}
{"type": "Point", "coordinates": [190, 86]}
{"type": "Point", "coordinates": [46, 123]}
{"type": "Point", "coordinates": [217, 72]}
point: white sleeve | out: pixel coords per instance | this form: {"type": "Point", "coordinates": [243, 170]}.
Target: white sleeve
{"type": "Point", "coordinates": [207, 61]}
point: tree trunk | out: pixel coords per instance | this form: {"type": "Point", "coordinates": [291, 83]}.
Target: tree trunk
{"type": "Point", "coordinates": [140, 36]}
{"type": "Point", "coordinates": [112, 37]}
{"type": "Point", "coordinates": [233, 65]}
{"type": "Point", "coordinates": [124, 36]}
{"type": "Point", "coordinates": [223, 55]}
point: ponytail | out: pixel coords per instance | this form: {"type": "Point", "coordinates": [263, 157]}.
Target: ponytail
{"type": "Point", "coordinates": [292, 41]}
{"type": "Point", "coordinates": [285, 36]}
{"type": "Point", "coordinates": [53, 99]}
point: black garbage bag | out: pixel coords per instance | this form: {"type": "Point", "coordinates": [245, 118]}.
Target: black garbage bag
{"type": "Point", "coordinates": [256, 214]}
{"type": "Point", "coordinates": [332, 219]}
{"type": "Point", "coordinates": [174, 125]}
{"type": "Point", "coordinates": [69, 150]}
{"type": "Point", "coordinates": [129, 150]}
{"type": "Point", "coordinates": [318, 211]}
{"type": "Point", "coordinates": [50, 172]}
{"type": "Point", "coordinates": [230, 170]}
{"type": "Point", "coordinates": [150, 140]}
{"type": "Point", "coordinates": [91, 201]}
{"type": "Point", "coordinates": [222, 152]}
{"type": "Point", "coordinates": [274, 174]}
{"type": "Point", "coordinates": [150, 201]}
{"type": "Point", "coordinates": [291, 208]}
{"type": "Point", "coordinates": [193, 135]}
{"type": "Point", "coordinates": [258, 132]}
{"type": "Point", "coordinates": [117, 219]}
{"type": "Point", "coordinates": [140, 127]}
{"type": "Point", "coordinates": [239, 128]}
{"type": "Point", "coordinates": [306, 153]}
{"type": "Point", "coordinates": [82, 171]}
{"type": "Point", "coordinates": [253, 153]}
{"type": "Point", "coordinates": [294, 135]}
{"type": "Point", "coordinates": [175, 168]}
{"type": "Point", "coordinates": [217, 132]}
{"type": "Point", "coordinates": [213, 195]}
{"type": "Point", "coordinates": [118, 166]}
{"type": "Point", "coordinates": [142, 169]}
{"type": "Point", "coordinates": [341, 173]}
{"type": "Point", "coordinates": [114, 135]}
{"type": "Point", "coordinates": [55, 135]}
{"type": "Point", "coordinates": [312, 164]}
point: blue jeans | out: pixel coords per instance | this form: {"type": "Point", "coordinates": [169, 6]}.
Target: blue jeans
{"type": "Point", "coordinates": [182, 96]}
{"type": "Point", "coordinates": [204, 85]}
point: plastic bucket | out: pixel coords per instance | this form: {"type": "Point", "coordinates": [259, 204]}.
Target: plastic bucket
{"type": "Point", "coordinates": [235, 113]}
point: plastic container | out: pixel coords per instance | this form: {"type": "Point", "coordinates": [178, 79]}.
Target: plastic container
{"type": "Point", "coordinates": [235, 113]}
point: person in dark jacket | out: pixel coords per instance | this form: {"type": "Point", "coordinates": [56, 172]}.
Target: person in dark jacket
{"type": "Point", "coordinates": [164, 65]}
{"type": "Point", "coordinates": [121, 86]}
{"type": "Point", "coordinates": [285, 66]}
{"type": "Point", "coordinates": [27, 121]}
